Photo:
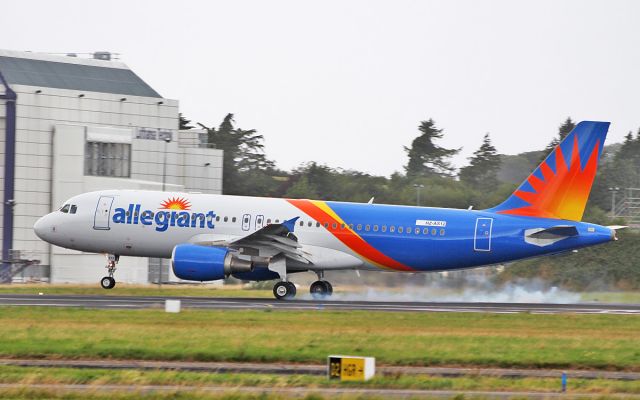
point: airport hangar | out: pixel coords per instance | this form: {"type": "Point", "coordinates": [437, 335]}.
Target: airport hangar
{"type": "Point", "coordinates": [70, 125]}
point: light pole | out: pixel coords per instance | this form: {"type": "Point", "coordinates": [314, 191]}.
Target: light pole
{"type": "Point", "coordinates": [613, 191]}
{"type": "Point", "coordinates": [418, 189]}
{"type": "Point", "coordinates": [167, 140]}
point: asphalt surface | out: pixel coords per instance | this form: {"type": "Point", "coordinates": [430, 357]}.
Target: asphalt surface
{"type": "Point", "coordinates": [315, 369]}
{"type": "Point", "coordinates": [220, 303]}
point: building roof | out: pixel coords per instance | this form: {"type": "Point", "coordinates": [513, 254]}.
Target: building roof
{"type": "Point", "coordinates": [68, 73]}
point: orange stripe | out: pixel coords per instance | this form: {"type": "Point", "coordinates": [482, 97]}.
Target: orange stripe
{"type": "Point", "coordinates": [347, 236]}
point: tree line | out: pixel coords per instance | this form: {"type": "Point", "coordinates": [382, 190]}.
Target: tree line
{"type": "Point", "coordinates": [429, 177]}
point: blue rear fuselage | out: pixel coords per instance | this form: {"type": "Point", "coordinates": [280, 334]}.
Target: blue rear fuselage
{"type": "Point", "coordinates": [431, 239]}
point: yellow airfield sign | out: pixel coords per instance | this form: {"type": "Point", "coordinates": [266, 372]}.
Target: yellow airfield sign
{"type": "Point", "coordinates": [351, 368]}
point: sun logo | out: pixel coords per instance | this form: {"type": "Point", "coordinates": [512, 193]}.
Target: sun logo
{"type": "Point", "coordinates": [175, 203]}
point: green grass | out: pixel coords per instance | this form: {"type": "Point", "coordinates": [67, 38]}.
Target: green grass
{"type": "Point", "coordinates": [96, 377]}
{"type": "Point", "coordinates": [136, 290]}
{"type": "Point", "coordinates": [473, 339]}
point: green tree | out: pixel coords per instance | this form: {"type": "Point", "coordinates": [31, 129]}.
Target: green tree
{"type": "Point", "coordinates": [184, 124]}
{"type": "Point", "coordinates": [426, 158]}
{"type": "Point", "coordinates": [243, 154]}
{"type": "Point", "coordinates": [482, 171]}
{"type": "Point", "coordinates": [563, 130]}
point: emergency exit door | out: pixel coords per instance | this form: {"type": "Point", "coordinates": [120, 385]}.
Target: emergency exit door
{"type": "Point", "coordinates": [482, 238]}
{"type": "Point", "coordinates": [102, 216]}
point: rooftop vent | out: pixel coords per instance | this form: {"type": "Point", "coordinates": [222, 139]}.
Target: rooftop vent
{"type": "Point", "coordinates": [102, 55]}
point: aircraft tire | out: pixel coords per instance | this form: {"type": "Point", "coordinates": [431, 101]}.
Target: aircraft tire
{"type": "Point", "coordinates": [320, 289]}
{"type": "Point", "coordinates": [107, 282]}
{"type": "Point", "coordinates": [284, 290]}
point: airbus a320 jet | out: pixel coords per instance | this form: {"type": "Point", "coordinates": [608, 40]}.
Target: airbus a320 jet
{"type": "Point", "coordinates": [210, 237]}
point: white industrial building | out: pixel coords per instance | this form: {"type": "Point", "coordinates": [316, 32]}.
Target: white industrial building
{"type": "Point", "coordinates": [70, 125]}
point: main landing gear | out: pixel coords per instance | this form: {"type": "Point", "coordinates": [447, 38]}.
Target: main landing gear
{"type": "Point", "coordinates": [108, 282]}
{"type": "Point", "coordinates": [320, 289]}
{"type": "Point", "coordinates": [284, 290]}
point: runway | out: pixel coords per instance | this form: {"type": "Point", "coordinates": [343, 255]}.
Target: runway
{"type": "Point", "coordinates": [222, 303]}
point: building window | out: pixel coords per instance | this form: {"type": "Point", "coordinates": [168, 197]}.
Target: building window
{"type": "Point", "coordinates": [107, 159]}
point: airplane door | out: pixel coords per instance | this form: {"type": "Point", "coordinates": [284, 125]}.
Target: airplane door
{"type": "Point", "coordinates": [102, 216]}
{"type": "Point", "coordinates": [259, 221]}
{"type": "Point", "coordinates": [246, 222]}
{"type": "Point", "coordinates": [482, 238]}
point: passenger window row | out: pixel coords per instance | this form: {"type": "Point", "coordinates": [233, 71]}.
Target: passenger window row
{"type": "Point", "coordinates": [377, 228]}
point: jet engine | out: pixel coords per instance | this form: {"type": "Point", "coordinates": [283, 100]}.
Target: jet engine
{"type": "Point", "coordinates": [204, 263]}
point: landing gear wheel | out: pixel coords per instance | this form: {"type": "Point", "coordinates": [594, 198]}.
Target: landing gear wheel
{"type": "Point", "coordinates": [107, 282]}
{"type": "Point", "coordinates": [284, 290]}
{"type": "Point", "coordinates": [320, 289]}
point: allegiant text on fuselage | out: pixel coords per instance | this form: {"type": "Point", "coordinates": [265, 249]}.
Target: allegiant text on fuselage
{"type": "Point", "coordinates": [163, 219]}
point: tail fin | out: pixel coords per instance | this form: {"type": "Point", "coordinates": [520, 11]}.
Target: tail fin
{"type": "Point", "coordinates": [559, 188]}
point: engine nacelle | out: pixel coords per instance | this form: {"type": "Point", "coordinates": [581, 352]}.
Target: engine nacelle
{"type": "Point", "coordinates": [204, 263]}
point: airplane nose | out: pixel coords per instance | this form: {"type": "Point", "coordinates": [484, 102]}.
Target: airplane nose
{"type": "Point", "coordinates": [42, 228]}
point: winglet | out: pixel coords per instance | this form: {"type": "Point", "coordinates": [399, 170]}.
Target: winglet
{"type": "Point", "coordinates": [290, 224]}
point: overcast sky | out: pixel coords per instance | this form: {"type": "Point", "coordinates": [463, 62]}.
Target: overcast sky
{"type": "Point", "coordinates": [347, 82]}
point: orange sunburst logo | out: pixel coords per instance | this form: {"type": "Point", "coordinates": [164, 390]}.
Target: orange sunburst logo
{"type": "Point", "coordinates": [562, 194]}
{"type": "Point", "coordinates": [175, 203]}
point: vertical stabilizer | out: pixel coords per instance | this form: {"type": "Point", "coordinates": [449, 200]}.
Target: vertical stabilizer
{"type": "Point", "coordinates": [560, 186]}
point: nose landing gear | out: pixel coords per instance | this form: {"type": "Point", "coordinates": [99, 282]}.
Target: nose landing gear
{"type": "Point", "coordinates": [108, 282]}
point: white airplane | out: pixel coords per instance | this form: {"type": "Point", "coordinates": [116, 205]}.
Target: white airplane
{"type": "Point", "coordinates": [209, 237]}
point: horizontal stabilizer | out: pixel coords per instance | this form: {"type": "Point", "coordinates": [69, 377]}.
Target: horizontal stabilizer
{"type": "Point", "coordinates": [555, 231]}
{"type": "Point", "coordinates": [548, 236]}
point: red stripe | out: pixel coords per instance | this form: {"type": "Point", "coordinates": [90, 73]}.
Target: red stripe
{"type": "Point", "coordinates": [349, 238]}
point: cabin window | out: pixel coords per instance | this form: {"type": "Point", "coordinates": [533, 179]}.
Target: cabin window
{"type": "Point", "coordinates": [425, 231]}
{"type": "Point", "coordinates": [351, 226]}
{"type": "Point", "coordinates": [309, 224]}
{"type": "Point", "coordinates": [375, 228]}
{"type": "Point", "coordinates": [268, 221]}
{"type": "Point", "coordinates": [359, 227]}
{"type": "Point", "coordinates": [246, 220]}
{"type": "Point", "coordinates": [441, 232]}
{"type": "Point", "coordinates": [317, 224]}
{"type": "Point", "coordinates": [65, 208]}
{"type": "Point", "coordinates": [326, 224]}
{"type": "Point", "coordinates": [383, 228]}
{"type": "Point", "coordinates": [367, 228]}
{"type": "Point", "coordinates": [277, 220]}
{"type": "Point", "coordinates": [217, 218]}
{"type": "Point", "coordinates": [341, 226]}
{"type": "Point", "coordinates": [433, 231]}
{"type": "Point", "coordinates": [392, 228]}
{"type": "Point", "coordinates": [226, 219]}
{"type": "Point", "coordinates": [301, 223]}
{"type": "Point", "coordinates": [400, 229]}
{"type": "Point", "coordinates": [233, 219]}
{"type": "Point", "coordinates": [334, 225]}
{"type": "Point", "coordinates": [417, 231]}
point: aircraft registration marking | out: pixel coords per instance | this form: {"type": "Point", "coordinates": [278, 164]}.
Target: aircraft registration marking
{"type": "Point", "coordinates": [428, 222]}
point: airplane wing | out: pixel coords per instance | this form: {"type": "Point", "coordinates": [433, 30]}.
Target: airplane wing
{"type": "Point", "coordinates": [268, 241]}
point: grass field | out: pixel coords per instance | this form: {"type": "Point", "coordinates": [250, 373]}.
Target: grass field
{"type": "Point", "coordinates": [137, 290]}
{"type": "Point", "coordinates": [501, 340]}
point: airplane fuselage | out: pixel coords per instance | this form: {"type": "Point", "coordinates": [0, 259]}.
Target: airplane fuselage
{"type": "Point", "coordinates": [337, 235]}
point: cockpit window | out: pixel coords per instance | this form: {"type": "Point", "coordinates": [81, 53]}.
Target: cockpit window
{"type": "Point", "coordinates": [65, 208]}
{"type": "Point", "coordinates": [73, 209]}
